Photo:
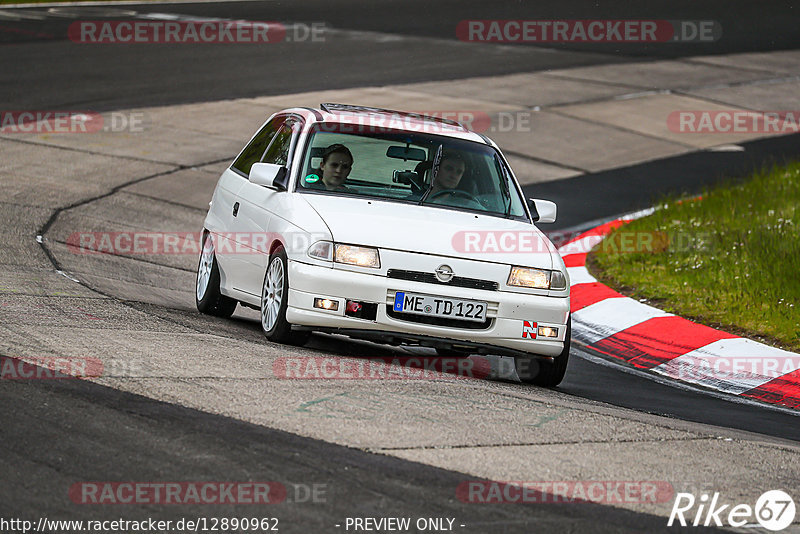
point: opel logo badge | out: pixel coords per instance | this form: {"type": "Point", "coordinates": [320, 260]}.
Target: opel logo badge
{"type": "Point", "coordinates": [444, 273]}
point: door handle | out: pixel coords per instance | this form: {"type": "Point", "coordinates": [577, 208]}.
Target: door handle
{"type": "Point", "coordinates": [235, 209]}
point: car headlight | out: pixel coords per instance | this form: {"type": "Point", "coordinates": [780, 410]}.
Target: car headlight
{"type": "Point", "coordinates": [537, 278]}
{"type": "Point", "coordinates": [360, 256]}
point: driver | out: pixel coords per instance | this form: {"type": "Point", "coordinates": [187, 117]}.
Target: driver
{"type": "Point", "coordinates": [451, 170]}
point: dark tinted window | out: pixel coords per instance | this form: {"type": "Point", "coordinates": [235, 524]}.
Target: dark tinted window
{"type": "Point", "coordinates": [255, 150]}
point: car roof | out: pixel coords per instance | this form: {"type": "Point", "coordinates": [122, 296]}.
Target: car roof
{"type": "Point", "coordinates": [380, 118]}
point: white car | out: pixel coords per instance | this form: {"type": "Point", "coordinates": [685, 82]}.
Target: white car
{"type": "Point", "coordinates": [389, 226]}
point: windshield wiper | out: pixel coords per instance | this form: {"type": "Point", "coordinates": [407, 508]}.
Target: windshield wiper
{"type": "Point", "coordinates": [503, 177]}
{"type": "Point", "coordinates": [437, 159]}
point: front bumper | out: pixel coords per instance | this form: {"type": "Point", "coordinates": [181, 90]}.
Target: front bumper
{"type": "Point", "coordinates": [508, 312]}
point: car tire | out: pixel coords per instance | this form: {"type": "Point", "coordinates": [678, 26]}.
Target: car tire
{"type": "Point", "coordinates": [208, 298]}
{"type": "Point", "coordinates": [274, 301]}
{"type": "Point", "coordinates": [542, 372]}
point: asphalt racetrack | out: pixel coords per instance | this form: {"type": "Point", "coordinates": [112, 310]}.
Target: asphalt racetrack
{"type": "Point", "coordinates": [192, 399]}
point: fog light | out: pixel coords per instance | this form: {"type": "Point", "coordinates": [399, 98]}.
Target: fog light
{"type": "Point", "coordinates": [352, 307]}
{"type": "Point", "coordinates": [548, 331]}
{"type": "Point", "coordinates": [326, 304]}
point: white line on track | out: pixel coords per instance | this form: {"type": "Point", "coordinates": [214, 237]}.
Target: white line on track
{"type": "Point", "coordinates": [66, 275]}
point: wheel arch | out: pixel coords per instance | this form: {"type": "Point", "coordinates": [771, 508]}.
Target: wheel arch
{"type": "Point", "coordinates": [275, 245]}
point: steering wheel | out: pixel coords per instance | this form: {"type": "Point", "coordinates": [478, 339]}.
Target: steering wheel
{"type": "Point", "coordinates": [456, 193]}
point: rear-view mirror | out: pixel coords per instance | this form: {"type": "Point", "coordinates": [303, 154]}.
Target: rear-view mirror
{"type": "Point", "coordinates": [405, 153]}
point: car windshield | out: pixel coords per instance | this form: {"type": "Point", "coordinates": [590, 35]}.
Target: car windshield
{"type": "Point", "coordinates": [419, 168]}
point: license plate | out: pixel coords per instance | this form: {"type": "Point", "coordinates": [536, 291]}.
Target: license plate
{"type": "Point", "coordinates": [465, 310]}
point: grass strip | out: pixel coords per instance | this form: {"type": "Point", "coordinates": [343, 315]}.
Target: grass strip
{"type": "Point", "coordinates": [728, 259]}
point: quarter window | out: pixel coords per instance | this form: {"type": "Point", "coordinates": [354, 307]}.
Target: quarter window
{"type": "Point", "coordinates": [278, 151]}
{"type": "Point", "coordinates": [256, 148]}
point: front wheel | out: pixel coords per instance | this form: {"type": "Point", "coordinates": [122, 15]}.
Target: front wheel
{"type": "Point", "coordinates": [274, 301]}
{"type": "Point", "coordinates": [543, 372]}
{"type": "Point", "coordinates": [208, 298]}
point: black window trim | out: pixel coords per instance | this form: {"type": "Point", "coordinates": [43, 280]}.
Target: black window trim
{"type": "Point", "coordinates": [283, 118]}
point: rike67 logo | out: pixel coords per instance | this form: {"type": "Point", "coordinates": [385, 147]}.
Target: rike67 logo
{"type": "Point", "coordinates": [774, 510]}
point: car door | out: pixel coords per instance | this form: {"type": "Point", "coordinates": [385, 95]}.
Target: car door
{"type": "Point", "coordinates": [253, 217]}
{"type": "Point", "coordinates": [227, 204]}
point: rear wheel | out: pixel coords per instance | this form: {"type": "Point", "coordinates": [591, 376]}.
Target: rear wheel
{"type": "Point", "coordinates": [274, 301]}
{"type": "Point", "coordinates": [208, 298]}
{"type": "Point", "coordinates": [542, 372]}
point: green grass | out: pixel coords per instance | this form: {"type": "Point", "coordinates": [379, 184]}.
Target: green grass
{"type": "Point", "coordinates": [729, 260]}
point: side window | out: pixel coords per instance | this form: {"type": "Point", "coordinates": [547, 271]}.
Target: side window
{"type": "Point", "coordinates": [253, 152]}
{"type": "Point", "coordinates": [278, 151]}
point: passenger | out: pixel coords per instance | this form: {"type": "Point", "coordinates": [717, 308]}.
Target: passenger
{"type": "Point", "coordinates": [337, 161]}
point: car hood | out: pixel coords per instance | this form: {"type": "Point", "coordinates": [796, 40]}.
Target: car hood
{"type": "Point", "coordinates": [430, 230]}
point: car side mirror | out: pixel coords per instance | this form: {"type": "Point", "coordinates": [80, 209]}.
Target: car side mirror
{"type": "Point", "coordinates": [270, 175]}
{"type": "Point", "coordinates": [543, 211]}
